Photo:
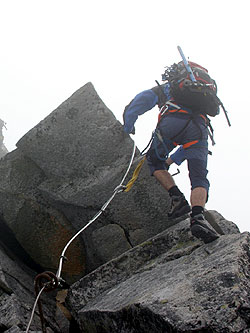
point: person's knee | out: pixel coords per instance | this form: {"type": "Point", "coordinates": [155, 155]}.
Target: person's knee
{"type": "Point", "coordinates": [156, 167]}
{"type": "Point", "coordinates": [198, 174]}
{"type": "Point", "coordinates": [199, 182]}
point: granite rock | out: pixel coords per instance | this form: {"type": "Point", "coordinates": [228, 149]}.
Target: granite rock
{"type": "Point", "coordinates": [170, 283]}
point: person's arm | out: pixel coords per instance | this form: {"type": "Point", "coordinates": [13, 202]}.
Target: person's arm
{"type": "Point", "coordinates": [142, 103]}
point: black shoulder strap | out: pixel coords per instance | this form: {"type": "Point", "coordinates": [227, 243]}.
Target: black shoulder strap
{"type": "Point", "coordinates": [159, 91]}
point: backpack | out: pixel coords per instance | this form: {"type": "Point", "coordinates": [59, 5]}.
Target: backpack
{"type": "Point", "coordinates": [200, 96]}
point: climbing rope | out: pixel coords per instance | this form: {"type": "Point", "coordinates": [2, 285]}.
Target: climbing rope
{"type": "Point", "coordinates": [52, 280]}
{"type": "Point", "coordinates": [135, 175]}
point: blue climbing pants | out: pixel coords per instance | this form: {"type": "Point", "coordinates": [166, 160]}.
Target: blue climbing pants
{"type": "Point", "coordinates": [179, 129]}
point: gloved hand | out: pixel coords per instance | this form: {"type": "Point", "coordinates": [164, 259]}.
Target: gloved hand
{"type": "Point", "coordinates": [133, 131]}
{"type": "Point", "coordinates": [128, 130]}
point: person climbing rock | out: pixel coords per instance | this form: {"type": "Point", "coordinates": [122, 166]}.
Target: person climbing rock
{"type": "Point", "coordinates": [183, 120]}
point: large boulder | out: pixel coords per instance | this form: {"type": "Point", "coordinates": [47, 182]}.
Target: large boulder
{"type": "Point", "coordinates": [170, 283]}
{"type": "Point", "coordinates": [40, 229]}
{"type": "Point", "coordinates": [59, 177]}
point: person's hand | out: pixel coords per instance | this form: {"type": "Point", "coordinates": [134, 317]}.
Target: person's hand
{"type": "Point", "coordinates": [129, 131]}
{"type": "Point", "coordinates": [133, 131]}
{"type": "Point", "coordinates": [169, 162]}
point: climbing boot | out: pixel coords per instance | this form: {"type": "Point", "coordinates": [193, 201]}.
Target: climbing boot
{"type": "Point", "coordinates": [201, 230]}
{"type": "Point", "coordinates": [179, 207]}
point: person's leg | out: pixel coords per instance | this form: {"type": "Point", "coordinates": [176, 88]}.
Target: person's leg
{"type": "Point", "coordinates": [179, 205]}
{"type": "Point", "coordinates": [164, 178]}
{"type": "Point", "coordinates": [199, 193]}
{"type": "Point", "coordinates": [156, 158]}
{"type": "Point", "coordinates": [197, 167]}
{"type": "Point", "coordinates": [198, 197]}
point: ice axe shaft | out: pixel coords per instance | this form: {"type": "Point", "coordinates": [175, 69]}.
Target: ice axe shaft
{"type": "Point", "coordinates": [192, 77]}
{"type": "Point", "coordinates": [186, 64]}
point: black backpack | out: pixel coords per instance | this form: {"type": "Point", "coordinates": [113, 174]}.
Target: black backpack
{"type": "Point", "coordinates": [199, 96]}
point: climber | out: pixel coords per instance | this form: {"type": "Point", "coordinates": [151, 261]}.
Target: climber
{"type": "Point", "coordinates": [179, 124]}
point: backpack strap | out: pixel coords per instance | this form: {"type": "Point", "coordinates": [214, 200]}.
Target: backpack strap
{"type": "Point", "coordinates": [162, 98]}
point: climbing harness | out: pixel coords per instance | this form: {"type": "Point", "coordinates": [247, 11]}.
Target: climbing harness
{"type": "Point", "coordinates": [48, 281]}
{"type": "Point", "coordinates": [170, 108]}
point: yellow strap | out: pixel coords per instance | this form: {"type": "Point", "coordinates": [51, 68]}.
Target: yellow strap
{"type": "Point", "coordinates": [135, 175]}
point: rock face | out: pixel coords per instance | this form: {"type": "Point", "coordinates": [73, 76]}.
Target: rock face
{"type": "Point", "coordinates": [3, 149]}
{"type": "Point", "coordinates": [170, 283]}
{"type": "Point", "coordinates": [17, 298]}
{"type": "Point", "coordinates": [130, 271]}
{"type": "Point", "coordinates": [60, 175]}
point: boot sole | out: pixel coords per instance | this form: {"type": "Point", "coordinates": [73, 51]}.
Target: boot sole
{"type": "Point", "coordinates": [206, 235]}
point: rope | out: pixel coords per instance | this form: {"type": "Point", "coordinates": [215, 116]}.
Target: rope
{"type": "Point", "coordinates": [135, 175]}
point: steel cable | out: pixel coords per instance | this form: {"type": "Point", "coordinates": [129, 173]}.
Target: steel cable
{"type": "Point", "coordinates": [119, 188]}
{"type": "Point", "coordinates": [54, 280]}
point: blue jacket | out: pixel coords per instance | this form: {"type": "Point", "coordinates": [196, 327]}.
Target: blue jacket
{"type": "Point", "coordinates": [142, 103]}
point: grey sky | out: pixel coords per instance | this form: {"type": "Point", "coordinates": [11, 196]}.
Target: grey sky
{"type": "Point", "coordinates": [49, 49]}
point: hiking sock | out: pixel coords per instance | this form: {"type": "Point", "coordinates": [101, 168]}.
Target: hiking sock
{"type": "Point", "coordinates": [175, 191]}
{"type": "Point", "coordinates": [196, 210]}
